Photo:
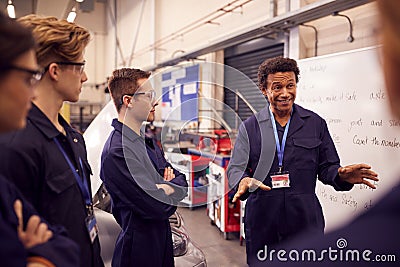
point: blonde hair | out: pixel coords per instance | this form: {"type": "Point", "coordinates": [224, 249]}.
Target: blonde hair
{"type": "Point", "coordinates": [57, 39]}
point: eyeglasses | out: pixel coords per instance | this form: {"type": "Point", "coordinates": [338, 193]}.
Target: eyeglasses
{"type": "Point", "coordinates": [151, 95]}
{"type": "Point", "coordinates": [35, 75]}
{"type": "Point", "coordinates": [80, 65]}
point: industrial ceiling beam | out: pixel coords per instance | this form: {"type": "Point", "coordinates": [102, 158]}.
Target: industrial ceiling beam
{"type": "Point", "coordinates": [270, 26]}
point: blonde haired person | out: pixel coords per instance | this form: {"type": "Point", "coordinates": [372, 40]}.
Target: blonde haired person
{"type": "Point", "coordinates": [47, 160]}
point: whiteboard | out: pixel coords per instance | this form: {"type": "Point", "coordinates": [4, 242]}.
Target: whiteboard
{"type": "Point", "coordinates": [348, 91]}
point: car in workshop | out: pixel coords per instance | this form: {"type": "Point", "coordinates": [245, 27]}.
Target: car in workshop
{"type": "Point", "coordinates": [186, 252]}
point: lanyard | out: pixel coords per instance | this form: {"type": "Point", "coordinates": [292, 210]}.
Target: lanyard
{"type": "Point", "coordinates": [280, 148]}
{"type": "Point", "coordinates": [83, 185]}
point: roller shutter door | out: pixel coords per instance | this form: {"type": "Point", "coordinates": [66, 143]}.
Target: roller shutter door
{"type": "Point", "coordinates": [246, 63]}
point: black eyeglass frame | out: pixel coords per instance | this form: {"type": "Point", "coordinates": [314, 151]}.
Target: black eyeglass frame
{"type": "Point", "coordinates": [65, 63]}
{"type": "Point", "coordinates": [33, 72]}
{"type": "Point", "coordinates": [37, 75]}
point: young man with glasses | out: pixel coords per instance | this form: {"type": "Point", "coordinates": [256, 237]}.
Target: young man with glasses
{"type": "Point", "coordinates": [47, 160]}
{"type": "Point", "coordinates": [77, 66]}
{"type": "Point", "coordinates": [143, 196]}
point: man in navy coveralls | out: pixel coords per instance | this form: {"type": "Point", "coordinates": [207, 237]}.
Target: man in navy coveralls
{"type": "Point", "coordinates": [373, 238]}
{"type": "Point", "coordinates": [143, 200]}
{"type": "Point", "coordinates": [280, 187]}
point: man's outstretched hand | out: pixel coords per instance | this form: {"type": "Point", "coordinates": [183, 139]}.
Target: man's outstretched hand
{"type": "Point", "coordinates": [358, 174]}
{"type": "Point", "coordinates": [250, 184]}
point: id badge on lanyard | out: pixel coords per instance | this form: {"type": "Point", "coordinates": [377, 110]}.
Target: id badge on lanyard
{"type": "Point", "coordinates": [90, 220]}
{"type": "Point", "coordinates": [281, 178]}
{"type": "Point", "coordinates": [91, 224]}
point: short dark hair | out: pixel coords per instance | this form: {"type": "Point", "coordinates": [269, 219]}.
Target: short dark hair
{"type": "Point", "coordinates": [274, 65]}
{"type": "Point", "coordinates": [15, 40]}
{"type": "Point", "coordinates": [124, 81]}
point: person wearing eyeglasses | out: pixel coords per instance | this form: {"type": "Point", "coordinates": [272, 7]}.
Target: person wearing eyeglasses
{"type": "Point", "coordinates": [278, 156]}
{"type": "Point", "coordinates": [25, 238]}
{"type": "Point", "coordinates": [47, 160]}
{"type": "Point", "coordinates": [142, 198]}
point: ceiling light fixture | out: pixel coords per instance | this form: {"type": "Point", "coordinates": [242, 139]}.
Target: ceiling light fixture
{"type": "Point", "coordinates": [11, 9]}
{"type": "Point", "coordinates": [72, 15]}
{"type": "Point", "coordinates": [350, 38]}
{"type": "Point", "coordinates": [79, 1]}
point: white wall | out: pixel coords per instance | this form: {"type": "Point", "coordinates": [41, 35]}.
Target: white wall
{"type": "Point", "coordinates": [173, 15]}
{"type": "Point", "coordinates": [333, 31]}
{"type": "Point", "coordinates": [163, 21]}
{"type": "Point", "coordinates": [143, 24]}
{"type": "Point", "coordinates": [94, 54]}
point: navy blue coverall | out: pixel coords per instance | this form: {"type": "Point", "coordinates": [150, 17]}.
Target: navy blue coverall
{"type": "Point", "coordinates": [274, 216]}
{"type": "Point", "coordinates": [59, 249]}
{"type": "Point", "coordinates": [140, 208]}
{"type": "Point", "coordinates": [31, 159]}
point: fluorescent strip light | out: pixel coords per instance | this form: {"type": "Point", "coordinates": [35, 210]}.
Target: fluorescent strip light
{"type": "Point", "coordinates": [72, 15]}
{"type": "Point", "coordinates": [11, 9]}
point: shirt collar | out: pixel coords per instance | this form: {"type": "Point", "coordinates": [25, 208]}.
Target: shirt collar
{"type": "Point", "coordinates": [40, 120]}
{"type": "Point", "coordinates": [264, 114]}
{"type": "Point", "coordinates": [125, 130]}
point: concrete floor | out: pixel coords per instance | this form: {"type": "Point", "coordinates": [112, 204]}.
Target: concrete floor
{"type": "Point", "coordinates": [218, 251]}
